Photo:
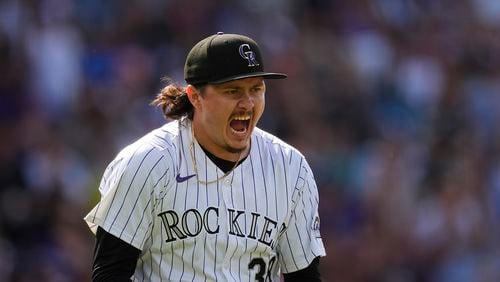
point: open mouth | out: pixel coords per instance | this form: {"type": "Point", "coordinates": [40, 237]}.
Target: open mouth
{"type": "Point", "coordinates": [240, 123]}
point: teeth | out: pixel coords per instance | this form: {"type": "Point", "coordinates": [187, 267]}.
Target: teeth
{"type": "Point", "coordinates": [245, 117]}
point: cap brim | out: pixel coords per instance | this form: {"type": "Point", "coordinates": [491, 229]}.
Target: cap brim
{"type": "Point", "coordinates": [266, 75]}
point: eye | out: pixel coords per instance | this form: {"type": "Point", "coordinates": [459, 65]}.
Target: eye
{"type": "Point", "coordinates": [258, 89]}
{"type": "Point", "coordinates": [232, 91]}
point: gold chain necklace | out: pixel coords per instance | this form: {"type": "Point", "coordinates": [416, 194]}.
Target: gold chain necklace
{"type": "Point", "coordinates": [193, 158]}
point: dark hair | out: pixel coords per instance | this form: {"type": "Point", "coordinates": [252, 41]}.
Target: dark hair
{"type": "Point", "coordinates": [174, 102]}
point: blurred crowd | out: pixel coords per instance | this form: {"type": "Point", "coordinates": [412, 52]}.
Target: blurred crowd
{"type": "Point", "coordinates": [395, 103]}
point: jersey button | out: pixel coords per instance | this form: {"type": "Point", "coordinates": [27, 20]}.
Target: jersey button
{"type": "Point", "coordinates": [227, 182]}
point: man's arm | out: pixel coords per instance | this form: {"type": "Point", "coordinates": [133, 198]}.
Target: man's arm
{"type": "Point", "coordinates": [310, 273]}
{"type": "Point", "coordinates": [114, 259]}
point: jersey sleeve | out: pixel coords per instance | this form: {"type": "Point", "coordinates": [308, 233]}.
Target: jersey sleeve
{"type": "Point", "coordinates": [301, 241]}
{"type": "Point", "coordinates": [126, 208]}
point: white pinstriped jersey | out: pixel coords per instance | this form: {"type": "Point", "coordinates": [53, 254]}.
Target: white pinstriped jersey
{"type": "Point", "coordinates": [260, 220]}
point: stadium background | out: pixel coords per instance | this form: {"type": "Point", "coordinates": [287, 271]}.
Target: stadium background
{"type": "Point", "coordinates": [395, 103]}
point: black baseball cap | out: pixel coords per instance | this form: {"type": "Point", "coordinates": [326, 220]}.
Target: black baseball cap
{"type": "Point", "coordinates": [224, 57]}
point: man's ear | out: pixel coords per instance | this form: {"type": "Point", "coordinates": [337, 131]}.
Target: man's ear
{"type": "Point", "coordinates": [193, 95]}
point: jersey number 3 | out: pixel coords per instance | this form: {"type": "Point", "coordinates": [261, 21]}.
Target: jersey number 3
{"type": "Point", "coordinates": [262, 275]}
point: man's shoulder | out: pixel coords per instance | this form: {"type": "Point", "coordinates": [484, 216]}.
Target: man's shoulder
{"type": "Point", "coordinates": [158, 141]}
{"type": "Point", "coordinates": [164, 136]}
{"type": "Point", "coordinates": [275, 143]}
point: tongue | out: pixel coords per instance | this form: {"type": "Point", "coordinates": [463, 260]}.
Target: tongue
{"type": "Point", "coordinates": [238, 125]}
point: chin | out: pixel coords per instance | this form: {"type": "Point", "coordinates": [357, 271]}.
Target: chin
{"type": "Point", "coordinates": [238, 147]}
{"type": "Point", "coordinates": [235, 150]}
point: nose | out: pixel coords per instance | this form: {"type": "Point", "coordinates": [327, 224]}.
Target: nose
{"type": "Point", "coordinates": [247, 101]}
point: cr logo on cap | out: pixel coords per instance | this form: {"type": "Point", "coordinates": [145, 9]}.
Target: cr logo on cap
{"type": "Point", "coordinates": [248, 54]}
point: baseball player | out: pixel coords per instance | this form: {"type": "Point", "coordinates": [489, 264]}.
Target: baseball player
{"type": "Point", "coordinates": [209, 196]}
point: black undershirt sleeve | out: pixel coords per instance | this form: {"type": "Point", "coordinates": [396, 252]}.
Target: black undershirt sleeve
{"type": "Point", "coordinates": [310, 273]}
{"type": "Point", "coordinates": [114, 259]}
